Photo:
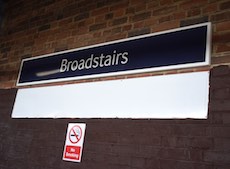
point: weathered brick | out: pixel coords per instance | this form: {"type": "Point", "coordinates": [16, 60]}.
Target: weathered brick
{"type": "Point", "coordinates": [164, 10]}
{"type": "Point", "coordinates": [141, 16]}
{"type": "Point", "coordinates": [226, 118]}
{"type": "Point", "coordinates": [220, 105]}
{"type": "Point", "coordinates": [81, 16]}
{"type": "Point", "coordinates": [224, 26]}
{"type": "Point", "coordinates": [223, 93]}
{"type": "Point", "coordinates": [137, 162]}
{"type": "Point", "coordinates": [166, 26]}
{"type": "Point", "coordinates": [119, 21]}
{"type": "Point", "coordinates": [100, 11]}
{"type": "Point", "coordinates": [220, 17]}
{"type": "Point", "coordinates": [220, 71]}
{"type": "Point", "coordinates": [138, 32]}
{"type": "Point", "coordinates": [217, 157]}
{"type": "Point", "coordinates": [120, 5]}
{"type": "Point", "coordinates": [188, 130]}
{"type": "Point", "coordinates": [225, 5]}
{"type": "Point", "coordinates": [221, 144]}
{"type": "Point", "coordinates": [165, 19]}
{"type": "Point", "coordinates": [222, 48]}
{"type": "Point", "coordinates": [179, 15]}
{"type": "Point", "coordinates": [44, 27]}
{"type": "Point", "coordinates": [222, 132]}
{"type": "Point", "coordinates": [201, 143]}
{"type": "Point", "coordinates": [220, 60]}
{"type": "Point", "coordinates": [97, 26]}
{"type": "Point", "coordinates": [174, 153]}
{"type": "Point", "coordinates": [222, 37]}
{"type": "Point", "coordinates": [139, 25]}
{"type": "Point", "coordinates": [194, 21]}
{"type": "Point", "coordinates": [165, 2]}
{"type": "Point", "coordinates": [194, 12]}
{"type": "Point", "coordinates": [192, 4]}
{"type": "Point", "coordinates": [196, 155]}
{"type": "Point", "coordinates": [210, 8]}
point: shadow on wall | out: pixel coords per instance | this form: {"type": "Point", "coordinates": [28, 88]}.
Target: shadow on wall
{"type": "Point", "coordinates": [123, 143]}
{"type": "Point", "coordinates": [1, 12]}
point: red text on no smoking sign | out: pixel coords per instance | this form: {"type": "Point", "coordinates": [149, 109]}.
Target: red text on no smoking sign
{"type": "Point", "coordinates": [74, 142]}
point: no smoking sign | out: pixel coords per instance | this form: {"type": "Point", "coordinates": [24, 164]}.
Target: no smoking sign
{"type": "Point", "coordinates": [75, 134]}
{"type": "Point", "coordinates": [74, 142]}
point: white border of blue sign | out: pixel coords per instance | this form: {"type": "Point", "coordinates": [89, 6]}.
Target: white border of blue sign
{"type": "Point", "coordinates": [187, 65]}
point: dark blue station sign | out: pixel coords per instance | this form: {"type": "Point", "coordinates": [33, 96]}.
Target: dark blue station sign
{"type": "Point", "coordinates": [178, 48]}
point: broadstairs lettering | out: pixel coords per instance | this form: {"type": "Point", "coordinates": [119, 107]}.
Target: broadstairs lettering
{"type": "Point", "coordinates": [94, 61]}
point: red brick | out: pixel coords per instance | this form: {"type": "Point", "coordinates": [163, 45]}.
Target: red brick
{"type": "Point", "coordinates": [179, 15]}
{"type": "Point", "coordinates": [219, 82]}
{"type": "Point", "coordinates": [116, 37]}
{"type": "Point", "coordinates": [99, 18]}
{"type": "Point", "coordinates": [225, 5]}
{"type": "Point", "coordinates": [222, 144]}
{"type": "Point", "coordinates": [120, 5]}
{"type": "Point", "coordinates": [119, 13]}
{"type": "Point", "coordinates": [165, 19]}
{"type": "Point", "coordinates": [126, 27]}
{"type": "Point", "coordinates": [134, 2]}
{"type": "Point", "coordinates": [174, 153]}
{"type": "Point", "coordinates": [180, 142]}
{"type": "Point", "coordinates": [139, 8]}
{"type": "Point", "coordinates": [188, 130]}
{"type": "Point", "coordinates": [139, 24]}
{"type": "Point", "coordinates": [201, 143]}
{"type": "Point", "coordinates": [222, 37]}
{"type": "Point", "coordinates": [165, 2]}
{"type": "Point", "coordinates": [210, 8]}
{"type": "Point", "coordinates": [119, 21]}
{"type": "Point", "coordinates": [194, 12]}
{"type": "Point", "coordinates": [196, 155]}
{"type": "Point", "coordinates": [215, 105]}
{"type": "Point", "coordinates": [150, 162]}
{"type": "Point", "coordinates": [215, 117]}
{"type": "Point", "coordinates": [153, 5]}
{"type": "Point", "coordinates": [220, 60]}
{"type": "Point", "coordinates": [100, 11]}
{"type": "Point", "coordinates": [223, 93]}
{"type": "Point", "coordinates": [226, 118]}
{"type": "Point", "coordinates": [220, 17]}
{"type": "Point", "coordinates": [81, 16]}
{"type": "Point", "coordinates": [221, 132]}
{"type": "Point", "coordinates": [166, 26]}
{"type": "Point", "coordinates": [224, 26]}
{"type": "Point", "coordinates": [192, 3]}
{"type": "Point", "coordinates": [97, 26]}
{"type": "Point", "coordinates": [193, 21]}
{"type": "Point", "coordinates": [151, 22]}
{"type": "Point", "coordinates": [141, 16]}
{"type": "Point", "coordinates": [222, 48]}
{"type": "Point", "coordinates": [217, 157]}
{"type": "Point", "coordinates": [220, 71]}
{"type": "Point", "coordinates": [137, 162]}
{"type": "Point", "coordinates": [164, 10]}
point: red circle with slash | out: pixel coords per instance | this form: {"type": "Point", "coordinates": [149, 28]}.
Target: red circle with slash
{"type": "Point", "coordinates": [75, 134]}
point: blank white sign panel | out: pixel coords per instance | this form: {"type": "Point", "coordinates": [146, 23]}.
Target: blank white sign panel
{"type": "Point", "coordinates": [168, 96]}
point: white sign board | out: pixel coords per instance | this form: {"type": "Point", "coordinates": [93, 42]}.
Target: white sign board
{"type": "Point", "coordinates": [182, 95]}
{"type": "Point", "coordinates": [74, 142]}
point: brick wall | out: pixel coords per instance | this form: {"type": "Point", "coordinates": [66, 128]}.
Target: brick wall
{"type": "Point", "coordinates": [123, 143]}
{"type": "Point", "coordinates": [32, 28]}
